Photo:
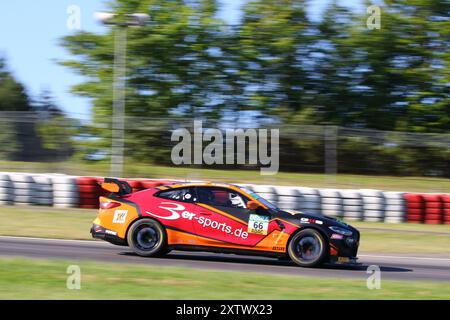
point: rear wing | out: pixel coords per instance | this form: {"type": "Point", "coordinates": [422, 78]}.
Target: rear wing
{"type": "Point", "coordinates": [121, 188]}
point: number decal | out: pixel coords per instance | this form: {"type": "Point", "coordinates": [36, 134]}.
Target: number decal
{"type": "Point", "coordinates": [258, 224]}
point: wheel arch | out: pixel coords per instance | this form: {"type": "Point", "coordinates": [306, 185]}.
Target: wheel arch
{"type": "Point", "coordinates": [141, 218]}
{"type": "Point", "coordinates": [322, 233]}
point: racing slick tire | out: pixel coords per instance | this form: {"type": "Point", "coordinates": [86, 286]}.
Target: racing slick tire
{"type": "Point", "coordinates": [308, 248]}
{"type": "Point", "coordinates": [147, 238]}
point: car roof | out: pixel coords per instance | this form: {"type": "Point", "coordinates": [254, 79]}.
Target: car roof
{"type": "Point", "coordinates": [177, 185]}
{"type": "Point", "coordinates": [199, 184]}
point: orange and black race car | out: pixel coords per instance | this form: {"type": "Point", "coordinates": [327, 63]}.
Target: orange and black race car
{"type": "Point", "coordinates": [221, 218]}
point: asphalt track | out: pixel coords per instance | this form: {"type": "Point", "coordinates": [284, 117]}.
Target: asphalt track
{"type": "Point", "coordinates": [396, 267]}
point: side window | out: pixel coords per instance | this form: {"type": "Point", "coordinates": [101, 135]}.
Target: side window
{"type": "Point", "coordinates": [182, 194]}
{"type": "Point", "coordinates": [221, 197]}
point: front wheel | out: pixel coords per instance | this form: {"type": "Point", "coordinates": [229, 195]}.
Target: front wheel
{"type": "Point", "coordinates": [147, 238]}
{"type": "Point", "coordinates": [307, 248]}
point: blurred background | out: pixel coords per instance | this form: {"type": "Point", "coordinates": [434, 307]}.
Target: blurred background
{"type": "Point", "coordinates": [360, 93]}
{"type": "Point", "coordinates": [348, 98]}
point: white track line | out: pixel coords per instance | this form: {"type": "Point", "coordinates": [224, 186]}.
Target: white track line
{"type": "Point", "coordinates": [95, 242]}
{"type": "Point", "coordinates": [402, 257]}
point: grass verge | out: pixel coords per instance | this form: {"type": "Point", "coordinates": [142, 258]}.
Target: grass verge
{"type": "Point", "coordinates": [46, 279]}
{"type": "Point", "coordinates": [75, 224]}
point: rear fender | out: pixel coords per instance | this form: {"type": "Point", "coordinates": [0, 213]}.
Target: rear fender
{"type": "Point", "coordinates": [117, 219]}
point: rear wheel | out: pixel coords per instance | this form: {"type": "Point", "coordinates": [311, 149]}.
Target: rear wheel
{"type": "Point", "coordinates": [147, 238]}
{"type": "Point", "coordinates": [307, 248]}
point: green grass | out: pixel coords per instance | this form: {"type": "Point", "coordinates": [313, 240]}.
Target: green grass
{"type": "Point", "coordinates": [46, 279]}
{"type": "Point", "coordinates": [412, 184]}
{"type": "Point", "coordinates": [404, 227]}
{"type": "Point", "coordinates": [46, 222]}
{"type": "Point", "coordinates": [75, 224]}
{"type": "Point", "coordinates": [410, 243]}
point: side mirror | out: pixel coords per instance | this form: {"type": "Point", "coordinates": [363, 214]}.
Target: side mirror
{"type": "Point", "coordinates": [252, 205]}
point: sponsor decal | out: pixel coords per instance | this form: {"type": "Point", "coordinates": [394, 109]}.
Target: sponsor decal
{"type": "Point", "coordinates": [304, 220]}
{"type": "Point", "coordinates": [258, 224]}
{"type": "Point", "coordinates": [120, 216]}
{"type": "Point", "coordinates": [337, 236]}
{"type": "Point", "coordinates": [173, 209]}
{"type": "Point", "coordinates": [178, 211]}
{"type": "Point", "coordinates": [113, 233]}
{"type": "Point", "coordinates": [308, 220]}
{"type": "Point", "coordinates": [278, 248]}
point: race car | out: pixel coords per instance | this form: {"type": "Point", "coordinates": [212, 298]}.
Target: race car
{"type": "Point", "coordinates": [221, 218]}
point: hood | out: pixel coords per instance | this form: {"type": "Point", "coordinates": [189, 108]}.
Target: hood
{"type": "Point", "coordinates": [296, 216]}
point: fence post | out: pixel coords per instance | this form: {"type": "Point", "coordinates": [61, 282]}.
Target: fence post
{"type": "Point", "coordinates": [330, 146]}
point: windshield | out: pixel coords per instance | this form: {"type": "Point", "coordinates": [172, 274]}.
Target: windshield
{"type": "Point", "coordinates": [261, 199]}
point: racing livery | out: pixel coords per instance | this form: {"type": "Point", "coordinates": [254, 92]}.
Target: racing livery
{"type": "Point", "coordinates": [219, 218]}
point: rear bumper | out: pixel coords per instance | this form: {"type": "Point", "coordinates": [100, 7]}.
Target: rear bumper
{"type": "Point", "coordinates": [98, 232]}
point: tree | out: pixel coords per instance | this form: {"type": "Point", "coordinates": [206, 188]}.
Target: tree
{"type": "Point", "coordinates": [275, 67]}
{"type": "Point", "coordinates": [12, 93]}
{"type": "Point", "coordinates": [13, 138]}
{"type": "Point", "coordinates": [54, 128]}
{"type": "Point", "coordinates": [395, 77]}
{"type": "Point", "coordinates": [273, 40]}
{"type": "Point", "coordinates": [171, 69]}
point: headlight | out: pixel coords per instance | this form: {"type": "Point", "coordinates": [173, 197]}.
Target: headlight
{"type": "Point", "coordinates": [342, 231]}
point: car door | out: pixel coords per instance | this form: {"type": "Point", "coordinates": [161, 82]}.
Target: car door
{"type": "Point", "coordinates": [174, 208]}
{"type": "Point", "coordinates": [222, 219]}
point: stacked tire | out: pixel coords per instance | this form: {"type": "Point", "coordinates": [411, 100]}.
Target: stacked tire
{"type": "Point", "coordinates": [42, 190]}
{"type": "Point", "coordinates": [373, 205]}
{"type": "Point", "coordinates": [352, 205]}
{"type": "Point", "coordinates": [433, 208]}
{"type": "Point", "coordinates": [65, 191]}
{"type": "Point", "coordinates": [89, 192]}
{"type": "Point", "coordinates": [446, 208]}
{"type": "Point", "coordinates": [288, 198]}
{"type": "Point", "coordinates": [23, 185]}
{"type": "Point", "coordinates": [394, 211]}
{"type": "Point", "coordinates": [6, 190]}
{"type": "Point", "coordinates": [414, 207]}
{"type": "Point", "coordinates": [309, 200]}
{"type": "Point", "coordinates": [331, 203]}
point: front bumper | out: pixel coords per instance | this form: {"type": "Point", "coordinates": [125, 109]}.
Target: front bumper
{"type": "Point", "coordinates": [346, 261]}
{"type": "Point", "coordinates": [98, 232]}
{"type": "Point", "coordinates": [344, 251]}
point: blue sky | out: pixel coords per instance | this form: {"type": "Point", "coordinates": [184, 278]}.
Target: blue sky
{"type": "Point", "coordinates": [30, 31]}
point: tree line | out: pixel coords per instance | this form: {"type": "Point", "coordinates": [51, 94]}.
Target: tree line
{"type": "Point", "coordinates": [277, 63]}
{"type": "Point", "coordinates": [278, 67]}
{"type": "Point", "coordinates": [32, 129]}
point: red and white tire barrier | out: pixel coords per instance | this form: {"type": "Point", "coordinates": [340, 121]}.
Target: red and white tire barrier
{"type": "Point", "coordinates": [6, 190]}
{"type": "Point", "coordinates": [414, 207]}
{"type": "Point", "coordinates": [433, 208]}
{"type": "Point", "coordinates": [67, 191]}
{"type": "Point", "coordinates": [394, 210]}
{"type": "Point", "coordinates": [352, 205]}
{"type": "Point", "coordinates": [331, 203]}
{"type": "Point", "coordinates": [446, 208]}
